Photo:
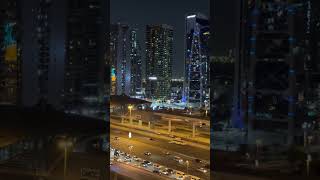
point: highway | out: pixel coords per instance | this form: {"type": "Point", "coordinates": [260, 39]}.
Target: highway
{"type": "Point", "coordinates": [134, 173]}
{"type": "Point", "coordinates": [157, 147]}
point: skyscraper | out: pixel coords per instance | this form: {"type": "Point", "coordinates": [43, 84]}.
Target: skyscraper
{"type": "Point", "coordinates": [222, 76]}
{"type": "Point", "coordinates": [197, 60]}
{"type": "Point", "coordinates": [159, 47]}
{"type": "Point", "coordinates": [86, 48]}
{"type": "Point", "coordinates": [120, 58]}
{"type": "Point", "coordinates": [136, 64]}
{"type": "Point", "coordinates": [43, 30]}
{"type": "Point", "coordinates": [10, 62]}
{"type": "Point", "coordinates": [42, 51]}
{"type": "Point", "coordinates": [274, 75]}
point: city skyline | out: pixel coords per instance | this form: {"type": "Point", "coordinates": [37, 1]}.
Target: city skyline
{"type": "Point", "coordinates": [168, 12]}
{"type": "Point", "coordinates": [172, 89]}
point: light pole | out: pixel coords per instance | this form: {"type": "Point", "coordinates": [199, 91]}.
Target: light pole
{"type": "Point", "coordinates": [309, 159]}
{"type": "Point", "coordinates": [130, 109]}
{"type": "Point", "coordinates": [130, 135]}
{"type": "Point", "coordinates": [130, 146]}
{"type": "Point", "coordinates": [65, 144]}
{"type": "Point", "coordinates": [187, 163]}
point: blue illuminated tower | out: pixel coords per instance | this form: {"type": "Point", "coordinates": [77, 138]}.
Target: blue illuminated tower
{"type": "Point", "coordinates": [197, 60]}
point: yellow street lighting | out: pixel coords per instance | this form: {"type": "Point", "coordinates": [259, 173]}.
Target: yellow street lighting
{"type": "Point", "coordinates": [187, 163]}
{"type": "Point", "coordinates": [130, 135]}
{"type": "Point", "coordinates": [130, 107]}
{"type": "Point", "coordinates": [65, 144]}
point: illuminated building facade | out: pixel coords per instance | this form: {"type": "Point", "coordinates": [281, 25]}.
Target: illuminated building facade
{"type": "Point", "coordinates": [159, 47]}
{"type": "Point", "coordinates": [197, 61]}
{"type": "Point", "coordinates": [120, 58]}
{"type": "Point", "coordinates": [136, 65]}
{"type": "Point", "coordinates": [177, 90]}
{"type": "Point", "coordinates": [86, 48]}
{"type": "Point", "coordinates": [10, 62]}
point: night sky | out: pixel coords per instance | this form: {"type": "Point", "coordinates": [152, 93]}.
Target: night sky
{"type": "Point", "coordinates": [223, 26]}
{"type": "Point", "coordinates": [139, 13]}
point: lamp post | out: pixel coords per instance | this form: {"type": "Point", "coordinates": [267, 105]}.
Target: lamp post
{"type": "Point", "coordinates": [187, 163]}
{"type": "Point", "coordinates": [130, 109]}
{"type": "Point", "coordinates": [130, 135]}
{"type": "Point", "coordinates": [65, 144]}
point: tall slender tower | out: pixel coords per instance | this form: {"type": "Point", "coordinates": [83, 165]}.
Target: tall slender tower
{"type": "Point", "coordinates": [159, 46]}
{"type": "Point", "coordinates": [120, 57]}
{"type": "Point", "coordinates": [136, 64]}
{"type": "Point", "coordinates": [197, 61]}
{"type": "Point", "coordinates": [86, 48]}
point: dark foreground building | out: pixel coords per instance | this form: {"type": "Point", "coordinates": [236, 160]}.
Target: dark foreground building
{"type": "Point", "coordinates": [86, 48]}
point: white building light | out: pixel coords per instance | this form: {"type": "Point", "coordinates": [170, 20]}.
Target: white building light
{"type": "Point", "coordinates": [153, 78]}
{"type": "Point", "coordinates": [191, 16]}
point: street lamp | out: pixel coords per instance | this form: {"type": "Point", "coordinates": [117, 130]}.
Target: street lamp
{"type": "Point", "coordinates": [187, 163]}
{"type": "Point", "coordinates": [65, 144]}
{"type": "Point", "coordinates": [130, 109]}
{"type": "Point", "coordinates": [130, 135]}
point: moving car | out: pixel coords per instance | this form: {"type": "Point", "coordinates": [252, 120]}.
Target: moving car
{"type": "Point", "coordinates": [147, 163]}
{"type": "Point", "coordinates": [194, 178]}
{"type": "Point", "coordinates": [180, 175]}
{"type": "Point", "coordinates": [147, 153]}
{"type": "Point", "coordinates": [202, 170]}
{"type": "Point", "coordinates": [156, 171]}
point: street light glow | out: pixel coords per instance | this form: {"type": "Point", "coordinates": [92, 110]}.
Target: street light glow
{"type": "Point", "coordinates": [65, 143]}
{"type": "Point", "coordinates": [130, 135]}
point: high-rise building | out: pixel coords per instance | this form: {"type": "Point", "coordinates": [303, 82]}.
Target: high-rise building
{"type": "Point", "coordinates": [42, 21]}
{"type": "Point", "coordinates": [159, 47]}
{"type": "Point", "coordinates": [311, 21]}
{"type": "Point", "coordinates": [86, 48]}
{"type": "Point", "coordinates": [120, 58]}
{"type": "Point", "coordinates": [275, 71]}
{"type": "Point", "coordinates": [10, 62]}
{"type": "Point", "coordinates": [222, 79]}
{"type": "Point", "coordinates": [136, 65]}
{"type": "Point", "coordinates": [197, 61]}
{"type": "Point", "coordinates": [42, 51]}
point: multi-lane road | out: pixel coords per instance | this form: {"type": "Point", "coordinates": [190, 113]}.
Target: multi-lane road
{"type": "Point", "coordinates": [158, 147]}
{"type": "Point", "coordinates": [134, 173]}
